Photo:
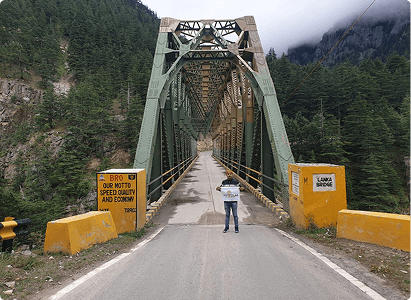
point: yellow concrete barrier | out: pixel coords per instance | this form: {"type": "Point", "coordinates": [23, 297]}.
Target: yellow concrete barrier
{"type": "Point", "coordinates": [389, 230]}
{"type": "Point", "coordinates": [317, 193]}
{"type": "Point", "coordinates": [73, 234]}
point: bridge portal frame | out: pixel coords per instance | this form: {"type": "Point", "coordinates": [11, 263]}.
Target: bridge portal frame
{"type": "Point", "coordinates": [169, 109]}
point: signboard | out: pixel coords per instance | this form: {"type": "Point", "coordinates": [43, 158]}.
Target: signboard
{"type": "Point", "coordinates": [295, 178]}
{"type": "Point", "coordinates": [117, 193]}
{"type": "Point", "coordinates": [324, 182]}
{"type": "Point", "coordinates": [230, 193]}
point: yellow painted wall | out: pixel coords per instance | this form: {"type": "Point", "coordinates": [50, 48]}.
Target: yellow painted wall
{"type": "Point", "coordinates": [389, 230]}
{"type": "Point", "coordinates": [73, 234]}
{"type": "Point", "coordinates": [313, 196]}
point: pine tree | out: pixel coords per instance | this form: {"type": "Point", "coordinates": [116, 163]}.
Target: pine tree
{"type": "Point", "coordinates": [49, 111]}
{"type": "Point", "coordinates": [131, 125]}
{"type": "Point", "coordinates": [369, 139]}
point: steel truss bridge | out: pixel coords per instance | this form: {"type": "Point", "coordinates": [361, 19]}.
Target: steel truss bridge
{"type": "Point", "coordinates": [210, 77]}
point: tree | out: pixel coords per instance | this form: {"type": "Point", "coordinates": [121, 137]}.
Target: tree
{"type": "Point", "coordinates": [368, 141]}
{"type": "Point", "coordinates": [49, 111]}
{"type": "Point", "coordinates": [131, 125]}
{"type": "Point", "coordinates": [8, 203]}
{"type": "Point", "coordinates": [88, 106]}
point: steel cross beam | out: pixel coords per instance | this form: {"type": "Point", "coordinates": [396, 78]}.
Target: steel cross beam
{"type": "Point", "coordinates": [211, 76]}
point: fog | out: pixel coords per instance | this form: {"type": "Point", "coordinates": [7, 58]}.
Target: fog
{"type": "Point", "coordinates": [283, 24]}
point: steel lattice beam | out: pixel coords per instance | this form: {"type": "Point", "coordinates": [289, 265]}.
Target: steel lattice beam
{"type": "Point", "coordinates": [211, 75]}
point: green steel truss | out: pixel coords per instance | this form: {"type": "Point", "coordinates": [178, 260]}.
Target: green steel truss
{"type": "Point", "coordinates": [211, 76]}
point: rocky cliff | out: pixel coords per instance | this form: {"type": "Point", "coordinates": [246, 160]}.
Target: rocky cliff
{"type": "Point", "coordinates": [14, 95]}
{"type": "Point", "coordinates": [370, 38]}
{"type": "Point", "coordinates": [18, 101]}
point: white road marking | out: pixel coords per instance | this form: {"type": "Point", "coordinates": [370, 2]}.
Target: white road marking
{"type": "Point", "coordinates": [89, 275]}
{"type": "Point", "coordinates": [370, 292]}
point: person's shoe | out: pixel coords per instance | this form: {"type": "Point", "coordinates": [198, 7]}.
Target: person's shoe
{"type": "Point", "coordinates": [225, 230]}
{"type": "Point", "coordinates": [236, 230]}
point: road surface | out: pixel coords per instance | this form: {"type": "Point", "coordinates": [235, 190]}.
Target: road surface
{"type": "Point", "coordinates": [189, 256]}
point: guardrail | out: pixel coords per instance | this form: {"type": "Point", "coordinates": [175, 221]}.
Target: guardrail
{"type": "Point", "coordinates": [281, 192]}
{"type": "Point", "coordinates": [275, 208]}
{"type": "Point", "coordinates": [155, 206]}
{"type": "Point", "coordinates": [169, 175]}
{"type": "Point", "coordinates": [11, 228]}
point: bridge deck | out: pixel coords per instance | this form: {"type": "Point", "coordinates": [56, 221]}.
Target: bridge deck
{"type": "Point", "coordinates": [196, 201]}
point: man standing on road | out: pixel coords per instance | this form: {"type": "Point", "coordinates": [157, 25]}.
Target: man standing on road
{"type": "Point", "coordinates": [230, 190]}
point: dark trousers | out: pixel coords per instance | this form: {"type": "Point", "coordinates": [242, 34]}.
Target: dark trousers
{"type": "Point", "coordinates": [231, 205]}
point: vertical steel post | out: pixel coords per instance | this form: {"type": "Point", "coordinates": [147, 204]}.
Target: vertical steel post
{"type": "Point", "coordinates": [249, 124]}
{"type": "Point", "coordinates": [267, 162]}
{"type": "Point", "coordinates": [156, 170]}
{"type": "Point", "coordinates": [263, 86]}
{"type": "Point", "coordinates": [170, 134]}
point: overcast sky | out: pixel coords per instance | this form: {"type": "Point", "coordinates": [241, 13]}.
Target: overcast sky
{"type": "Point", "coordinates": [280, 23]}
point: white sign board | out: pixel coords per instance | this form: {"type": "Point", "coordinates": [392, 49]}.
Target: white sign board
{"type": "Point", "coordinates": [295, 178]}
{"type": "Point", "coordinates": [230, 193]}
{"type": "Point", "coordinates": [324, 182]}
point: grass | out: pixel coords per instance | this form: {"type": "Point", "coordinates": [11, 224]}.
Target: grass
{"type": "Point", "coordinates": [326, 234]}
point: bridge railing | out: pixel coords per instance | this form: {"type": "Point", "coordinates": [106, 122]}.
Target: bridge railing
{"type": "Point", "coordinates": [280, 189]}
{"type": "Point", "coordinates": [168, 177]}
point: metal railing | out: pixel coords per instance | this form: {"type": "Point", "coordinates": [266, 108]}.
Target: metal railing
{"type": "Point", "coordinates": [282, 189]}
{"type": "Point", "coordinates": [11, 228]}
{"type": "Point", "coordinates": [177, 170]}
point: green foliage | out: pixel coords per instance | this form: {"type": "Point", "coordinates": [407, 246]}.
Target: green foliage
{"type": "Point", "coordinates": [68, 176]}
{"type": "Point", "coordinates": [8, 203]}
{"type": "Point", "coordinates": [105, 37]}
{"type": "Point", "coordinates": [109, 55]}
{"type": "Point", "coordinates": [45, 186]}
{"type": "Point", "coordinates": [88, 106]}
{"type": "Point", "coordinates": [49, 111]}
{"type": "Point", "coordinates": [22, 132]}
{"type": "Point", "coordinates": [132, 124]}
{"type": "Point", "coordinates": [356, 116]}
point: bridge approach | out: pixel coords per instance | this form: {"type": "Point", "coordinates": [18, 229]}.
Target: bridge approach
{"type": "Point", "coordinates": [189, 257]}
{"type": "Point", "coordinates": [210, 77]}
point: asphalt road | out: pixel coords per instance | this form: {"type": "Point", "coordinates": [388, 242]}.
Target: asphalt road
{"type": "Point", "coordinates": [189, 257]}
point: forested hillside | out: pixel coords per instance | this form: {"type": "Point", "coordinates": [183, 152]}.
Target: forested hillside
{"type": "Point", "coordinates": [52, 147]}
{"type": "Point", "coordinates": [356, 116]}
{"type": "Point", "coordinates": [53, 142]}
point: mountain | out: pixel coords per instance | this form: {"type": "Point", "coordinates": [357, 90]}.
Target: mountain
{"type": "Point", "coordinates": [370, 38]}
{"type": "Point", "coordinates": [73, 83]}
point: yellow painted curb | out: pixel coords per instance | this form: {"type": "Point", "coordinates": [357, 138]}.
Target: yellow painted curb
{"type": "Point", "coordinates": [154, 208]}
{"type": "Point", "coordinates": [389, 230]}
{"type": "Point", "coordinates": [73, 234]}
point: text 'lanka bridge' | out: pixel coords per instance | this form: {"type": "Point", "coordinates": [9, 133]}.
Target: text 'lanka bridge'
{"type": "Point", "coordinates": [211, 77]}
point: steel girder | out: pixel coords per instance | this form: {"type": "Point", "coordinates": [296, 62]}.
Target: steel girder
{"type": "Point", "coordinates": [211, 76]}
